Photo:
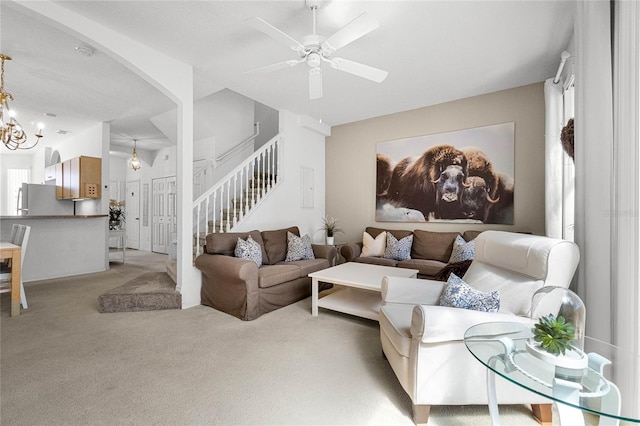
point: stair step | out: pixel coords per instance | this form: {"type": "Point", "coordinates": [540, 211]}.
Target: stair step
{"type": "Point", "coordinates": [172, 270]}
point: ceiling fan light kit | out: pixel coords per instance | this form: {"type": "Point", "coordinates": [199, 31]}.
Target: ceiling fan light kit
{"type": "Point", "coordinates": [316, 49]}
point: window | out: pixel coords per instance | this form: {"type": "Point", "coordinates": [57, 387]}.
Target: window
{"type": "Point", "coordinates": [15, 179]}
{"type": "Point", "coordinates": [568, 170]}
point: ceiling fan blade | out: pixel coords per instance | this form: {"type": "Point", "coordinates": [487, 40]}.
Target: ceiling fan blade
{"type": "Point", "coordinates": [361, 70]}
{"type": "Point", "coordinates": [265, 27]}
{"type": "Point", "coordinates": [315, 83]}
{"type": "Point", "coordinates": [355, 29]}
{"type": "Point", "coordinates": [277, 66]}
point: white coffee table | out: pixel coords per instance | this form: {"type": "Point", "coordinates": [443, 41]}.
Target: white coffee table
{"type": "Point", "coordinates": [362, 285]}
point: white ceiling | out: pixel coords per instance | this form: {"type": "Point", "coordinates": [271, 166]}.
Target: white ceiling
{"type": "Point", "coordinates": [434, 51]}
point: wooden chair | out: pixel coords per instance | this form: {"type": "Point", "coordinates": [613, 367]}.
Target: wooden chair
{"type": "Point", "coordinates": [20, 237]}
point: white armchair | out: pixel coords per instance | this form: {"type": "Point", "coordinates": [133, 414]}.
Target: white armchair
{"type": "Point", "coordinates": [423, 341]}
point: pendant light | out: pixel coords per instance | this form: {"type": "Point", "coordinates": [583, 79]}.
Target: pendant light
{"type": "Point", "coordinates": [134, 162]}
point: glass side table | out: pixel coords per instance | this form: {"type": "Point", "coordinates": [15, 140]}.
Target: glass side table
{"type": "Point", "coordinates": [613, 393]}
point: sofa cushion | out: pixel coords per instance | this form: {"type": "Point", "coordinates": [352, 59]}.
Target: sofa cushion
{"type": "Point", "coordinates": [308, 266]}
{"type": "Point", "coordinates": [249, 250]}
{"type": "Point", "coordinates": [470, 235]}
{"type": "Point", "coordinates": [426, 267]}
{"type": "Point", "coordinates": [433, 245]}
{"type": "Point", "coordinates": [270, 275]}
{"type": "Point", "coordinates": [462, 250]}
{"type": "Point", "coordinates": [398, 233]}
{"type": "Point", "coordinates": [298, 248]}
{"type": "Point", "coordinates": [459, 294]}
{"type": "Point", "coordinates": [374, 246]}
{"type": "Point", "coordinates": [275, 244]}
{"type": "Point", "coordinates": [376, 261]}
{"type": "Point", "coordinates": [225, 243]}
{"type": "Point", "coordinates": [398, 249]}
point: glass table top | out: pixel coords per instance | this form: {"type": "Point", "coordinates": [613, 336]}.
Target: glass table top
{"type": "Point", "coordinates": [502, 347]}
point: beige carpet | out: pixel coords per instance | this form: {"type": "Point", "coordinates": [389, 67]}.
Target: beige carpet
{"type": "Point", "coordinates": [64, 363]}
{"type": "Point", "coordinates": [150, 291]}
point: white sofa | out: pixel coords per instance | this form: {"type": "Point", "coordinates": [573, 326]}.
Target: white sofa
{"type": "Point", "coordinates": [423, 341]}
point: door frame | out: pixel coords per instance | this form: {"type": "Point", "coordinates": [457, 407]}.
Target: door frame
{"type": "Point", "coordinates": [129, 219]}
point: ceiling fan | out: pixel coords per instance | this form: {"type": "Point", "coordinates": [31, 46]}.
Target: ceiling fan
{"type": "Point", "coordinates": [316, 49]}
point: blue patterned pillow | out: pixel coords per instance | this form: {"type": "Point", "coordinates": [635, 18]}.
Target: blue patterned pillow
{"type": "Point", "coordinates": [462, 250]}
{"type": "Point", "coordinates": [398, 250]}
{"type": "Point", "coordinates": [458, 294]}
{"type": "Point", "coordinates": [249, 250]}
{"type": "Point", "coordinates": [298, 248]}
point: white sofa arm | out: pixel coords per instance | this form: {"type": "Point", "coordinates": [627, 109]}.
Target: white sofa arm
{"type": "Point", "coordinates": [433, 324]}
{"type": "Point", "coordinates": [414, 291]}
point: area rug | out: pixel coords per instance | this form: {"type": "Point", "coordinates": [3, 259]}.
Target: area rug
{"type": "Point", "coordinates": [150, 291]}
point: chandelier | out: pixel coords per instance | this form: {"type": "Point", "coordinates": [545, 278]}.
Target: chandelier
{"type": "Point", "coordinates": [133, 162]}
{"type": "Point", "coordinates": [13, 135]}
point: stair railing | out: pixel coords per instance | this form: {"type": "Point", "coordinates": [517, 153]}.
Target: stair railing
{"type": "Point", "coordinates": [200, 168]}
{"type": "Point", "coordinates": [234, 197]}
{"type": "Point", "coordinates": [241, 145]}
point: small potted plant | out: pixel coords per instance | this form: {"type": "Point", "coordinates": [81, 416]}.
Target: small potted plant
{"type": "Point", "coordinates": [552, 341]}
{"type": "Point", "coordinates": [554, 334]}
{"type": "Point", "coordinates": [329, 225]}
{"type": "Point", "coordinates": [116, 214]}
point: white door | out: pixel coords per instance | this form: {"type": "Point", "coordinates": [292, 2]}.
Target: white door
{"type": "Point", "coordinates": [164, 214]}
{"type": "Point", "coordinates": [172, 213]}
{"type": "Point", "coordinates": [132, 214]}
{"type": "Point", "coordinates": [158, 230]}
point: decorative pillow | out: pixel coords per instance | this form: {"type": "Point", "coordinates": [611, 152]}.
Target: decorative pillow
{"type": "Point", "coordinates": [374, 247]}
{"type": "Point", "coordinates": [458, 294]}
{"type": "Point", "coordinates": [462, 250]}
{"type": "Point", "coordinates": [298, 248]}
{"type": "Point", "coordinates": [249, 250]}
{"type": "Point", "coordinates": [398, 250]}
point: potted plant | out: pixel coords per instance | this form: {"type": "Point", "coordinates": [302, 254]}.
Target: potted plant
{"type": "Point", "coordinates": [552, 341]}
{"type": "Point", "coordinates": [329, 225]}
{"type": "Point", "coordinates": [116, 214]}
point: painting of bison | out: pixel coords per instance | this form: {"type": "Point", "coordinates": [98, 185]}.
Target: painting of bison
{"type": "Point", "coordinates": [465, 175]}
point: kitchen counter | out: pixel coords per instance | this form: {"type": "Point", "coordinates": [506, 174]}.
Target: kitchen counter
{"type": "Point", "coordinates": [62, 246]}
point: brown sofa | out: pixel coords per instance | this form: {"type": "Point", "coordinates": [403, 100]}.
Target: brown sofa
{"type": "Point", "coordinates": [242, 289]}
{"type": "Point", "coordinates": [430, 251]}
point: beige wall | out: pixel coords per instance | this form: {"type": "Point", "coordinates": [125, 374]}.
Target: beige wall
{"type": "Point", "coordinates": [351, 153]}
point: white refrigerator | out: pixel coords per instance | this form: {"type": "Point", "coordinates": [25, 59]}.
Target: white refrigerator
{"type": "Point", "coordinates": [40, 200]}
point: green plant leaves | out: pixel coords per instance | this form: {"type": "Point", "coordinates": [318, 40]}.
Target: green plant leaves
{"type": "Point", "coordinates": [554, 334]}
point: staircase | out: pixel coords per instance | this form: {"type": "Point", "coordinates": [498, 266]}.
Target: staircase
{"type": "Point", "coordinates": [227, 203]}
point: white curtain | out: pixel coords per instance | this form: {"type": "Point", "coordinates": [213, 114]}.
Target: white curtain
{"type": "Point", "coordinates": [559, 170]}
{"type": "Point", "coordinates": [594, 164]}
{"type": "Point", "coordinates": [553, 158]}
{"type": "Point", "coordinates": [626, 220]}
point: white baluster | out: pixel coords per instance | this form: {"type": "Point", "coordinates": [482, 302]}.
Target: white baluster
{"type": "Point", "coordinates": [235, 211]}
{"type": "Point", "coordinates": [213, 212]}
{"type": "Point", "coordinates": [240, 195]}
{"type": "Point", "coordinates": [198, 230]}
{"type": "Point", "coordinates": [221, 207]}
{"type": "Point", "coordinates": [276, 144]}
{"type": "Point", "coordinates": [253, 180]}
{"type": "Point", "coordinates": [247, 196]}
{"type": "Point", "coordinates": [269, 169]}
{"type": "Point", "coordinates": [262, 182]}
{"type": "Point", "coordinates": [228, 207]}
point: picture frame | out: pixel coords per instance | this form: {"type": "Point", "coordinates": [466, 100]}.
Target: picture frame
{"type": "Point", "coordinates": [458, 176]}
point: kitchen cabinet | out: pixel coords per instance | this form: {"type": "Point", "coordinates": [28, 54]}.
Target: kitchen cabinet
{"type": "Point", "coordinates": [81, 178]}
